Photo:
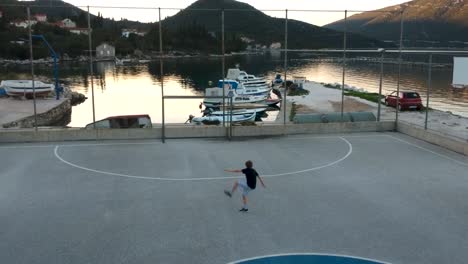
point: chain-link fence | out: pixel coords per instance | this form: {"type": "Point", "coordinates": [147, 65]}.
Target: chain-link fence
{"type": "Point", "coordinates": [328, 74]}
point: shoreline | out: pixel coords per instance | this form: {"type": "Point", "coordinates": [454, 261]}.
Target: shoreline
{"type": "Point", "coordinates": [133, 59]}
{"type": "Point", "coordinates": [322, 99]}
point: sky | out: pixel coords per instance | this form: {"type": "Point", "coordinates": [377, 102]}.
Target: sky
{"type": "Point", "coordinates": [315, 18]}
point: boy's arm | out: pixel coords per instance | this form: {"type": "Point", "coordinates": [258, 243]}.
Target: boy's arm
{"type": "Point", "coordinates": [261, 181]}
{"type": "Point", "coordinates": [233, 170]}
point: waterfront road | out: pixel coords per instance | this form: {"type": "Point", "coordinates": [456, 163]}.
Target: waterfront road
{"type": "Point", "coordinates": [380, 196]}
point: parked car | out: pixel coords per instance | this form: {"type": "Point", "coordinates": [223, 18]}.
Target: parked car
{"type": "Point", "coordinates": [407, 100]}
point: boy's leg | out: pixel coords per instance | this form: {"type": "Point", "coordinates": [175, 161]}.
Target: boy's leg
{"type": "Point", "coordinates": [244, 201]}
{"type": "Point", "coordinates": [234, 188]}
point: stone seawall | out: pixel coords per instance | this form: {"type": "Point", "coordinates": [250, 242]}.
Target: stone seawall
{"type": "Point", "coordinates": [50, 117]}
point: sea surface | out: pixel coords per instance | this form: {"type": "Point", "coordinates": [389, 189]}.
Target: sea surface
{"type": "Point", "coordinates": [136, 88]}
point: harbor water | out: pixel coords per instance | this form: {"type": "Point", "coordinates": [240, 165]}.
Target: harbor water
{"type": "Point", "coordinates": [136, 88]}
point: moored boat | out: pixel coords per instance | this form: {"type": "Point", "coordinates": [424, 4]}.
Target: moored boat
{"type": "Point", "coordinates": [236, 98]}
{"type": "Point", "coordinates": [216, 120]}
{"type": "Point", "coordinates": [242, 88]}
{"type": "Point", "coordinates": [227, 112]}
{"type": "Point", "coordinates": [25, 88]}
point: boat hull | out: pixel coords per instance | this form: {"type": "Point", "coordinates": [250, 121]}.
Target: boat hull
{"type": "Point", "coordinates": [24, 87]}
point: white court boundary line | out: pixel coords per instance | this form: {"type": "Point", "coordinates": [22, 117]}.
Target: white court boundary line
{"type": "Point", "coordinates": [307, 254]}
{"type": "Point", "coordinates": [428, 150]}
{"type": "Point", "coordinates": [153, 142]}
{"type": "Point", "coordinates": [350, 151]}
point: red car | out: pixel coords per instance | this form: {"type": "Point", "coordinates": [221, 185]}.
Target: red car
{"type": "Point", "coordinates": [408, 100]}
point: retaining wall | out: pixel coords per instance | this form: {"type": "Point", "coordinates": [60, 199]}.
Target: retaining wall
{"type": "Point", "coordinates": [49, 135]}
{"type": "Point", "coordinates": [446, 141]}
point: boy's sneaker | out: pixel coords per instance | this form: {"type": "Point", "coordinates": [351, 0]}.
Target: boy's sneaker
{"type": "Point", "coordinates": [243, 210]}
{"type": "Point", "coordinates": [228, 193]}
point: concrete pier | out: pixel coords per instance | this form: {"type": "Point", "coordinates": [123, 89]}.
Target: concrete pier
{"type": "Point", "coordinates": [17, 113]}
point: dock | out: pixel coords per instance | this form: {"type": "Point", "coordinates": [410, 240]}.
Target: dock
{"type": "Point", "coordinates": [18, 113]}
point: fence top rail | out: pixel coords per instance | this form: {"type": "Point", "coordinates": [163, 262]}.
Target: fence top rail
{"type": "Point", "coordinates": [408, 51]}
{"type": "Point", "coordinates": [206, 9]}
{"type": "Point", "coordinates": [193, 97]}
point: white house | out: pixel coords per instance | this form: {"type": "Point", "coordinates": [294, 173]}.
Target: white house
{"type": "Point", "coordinates": [105, 51]}
{"type": "Point", "coordinates": [127, 31]}
{"type": "Point", "coordinates": [23, 23]}
{"type": "Point", "coordinates": [68, 23]}
{"type": "Point", "coordinates": [79, 31]}
{"type": "Point", "coordinates": [276, 45]}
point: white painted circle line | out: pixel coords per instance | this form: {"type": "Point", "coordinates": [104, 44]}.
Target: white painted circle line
{"type": "Point", "coordinates": [308, 254]}
{"type": "Point", "coordinates": [350, 151]}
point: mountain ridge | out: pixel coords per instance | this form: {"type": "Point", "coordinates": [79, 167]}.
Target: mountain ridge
{"type": "Point", "coordinates": [432, 22]}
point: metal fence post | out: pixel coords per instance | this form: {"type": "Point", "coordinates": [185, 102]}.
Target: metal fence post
{"type": "Point", "coordinates": [380, 84]}
{"type": "Point", "coordinates": [31, 58]}
{"type": "Point", "coordinates": [230, 123]}
{"type": "Point", "coordinates": [284, 104]}
{"type": "Point", "coordinates": [222, 67]}
{"type": "Point", "coordinates": [91, 70]}
{"type": "Point", "coordinates": [344, 64]}
{"type": "Point", "coordinates": [161, 72]}
{"type": "Point", "coordinates": [399, 68]}
{"type": "Point", "coordinates": [429, 83]}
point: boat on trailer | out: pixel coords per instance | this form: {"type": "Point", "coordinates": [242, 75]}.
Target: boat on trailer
{"type": "Point", "coordinates": [25, 88]}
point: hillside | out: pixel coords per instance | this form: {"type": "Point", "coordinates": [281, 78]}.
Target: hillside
{"type": "Point", "coordinates": [249, 22]}
{"type": "Point", "coordinates": [437, 23]}
{"type": "Point", "coordinates": [196, 29]}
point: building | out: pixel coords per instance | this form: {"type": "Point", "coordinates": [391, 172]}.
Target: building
{"type": "Point", "coordinates": [79, 31]}
{"type": "Point", "coordinates": [276, 45]}
{"type": "Point", "coordinates": [41, 17]}
{"type": "Point", "coordinates": [23, 23]}
{"type": "Point", "coordinates": [105, 51]}
{"type": "Point", "coordinates": [126, 32]}
{"type": "Point", "coordinates": [66, 23]}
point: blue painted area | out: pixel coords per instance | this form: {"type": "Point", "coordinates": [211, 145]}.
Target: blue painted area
{"type": "Point", "coordinates": [309, 259]}
{"type": "Point", "coordinates": [233, 84]}
{"type": "Point", "coordinates": [2, 92]}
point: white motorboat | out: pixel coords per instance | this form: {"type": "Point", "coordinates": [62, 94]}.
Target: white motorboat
{"type": "Point", "coordinates": [247, 80]}
{"type": "Point", "coordinates": [226, 112]}
{"type": "Point", "coordinates": [25, 87]}
{"type": "Point", "coordinates": [236, 98]}
{"type": "Point", "coordinates": [244, 88]}
{"type": "Point", "coordinates": [216, 120]}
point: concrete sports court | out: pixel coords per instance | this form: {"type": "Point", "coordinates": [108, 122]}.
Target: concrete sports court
{"type": "Point", "coordinates": [378, 196]}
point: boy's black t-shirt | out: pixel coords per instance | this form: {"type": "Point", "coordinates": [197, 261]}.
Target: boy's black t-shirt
{"type": "Point", "coordinates": [251, 176]}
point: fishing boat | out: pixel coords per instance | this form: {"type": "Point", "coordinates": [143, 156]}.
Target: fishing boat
{"type": "Point", "coordinates": [272, 101]}
{"type": "Point", "coordinates": [228, 112]}
{"type": "Point", "coordinates": [216, 120]}
{"type": "Point", "coordinates": [229, 94]}
{"type": "Point", "coordinates": [247, 80]}
{"type": "Point", "coordinates": [242, 88]}
{"type": "Point", "coordinates": [227, 106]}
{"type": "Point", "coordinates": [25, 88]}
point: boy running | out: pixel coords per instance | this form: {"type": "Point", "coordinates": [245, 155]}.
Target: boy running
{"type": "Point", "coordinates": [247, 184]}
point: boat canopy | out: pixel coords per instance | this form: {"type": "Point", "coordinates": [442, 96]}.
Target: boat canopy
{"type": "Point", "coordinates": [229, 83]}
